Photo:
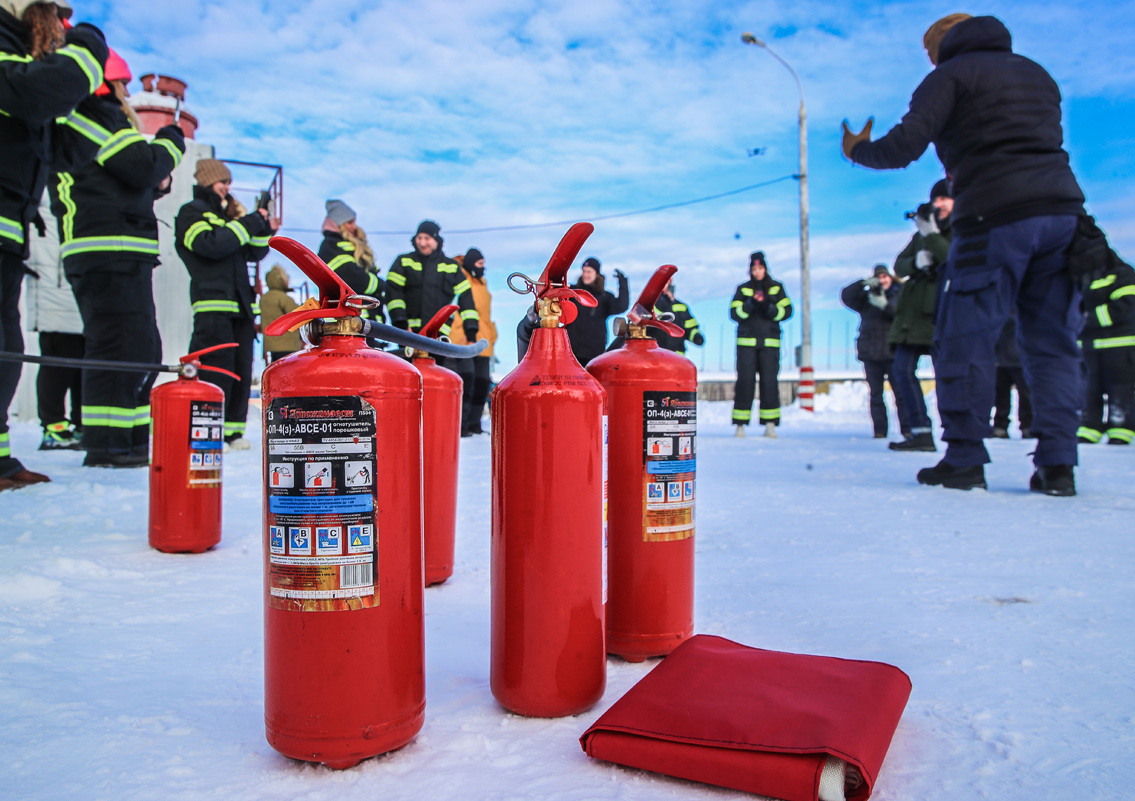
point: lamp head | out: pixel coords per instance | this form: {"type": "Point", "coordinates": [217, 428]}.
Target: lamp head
{"type": "Point", "coordinates": [748, 38]}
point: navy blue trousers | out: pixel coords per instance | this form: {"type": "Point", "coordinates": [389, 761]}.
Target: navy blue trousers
{"type": "Point", "coordinates": [1018, 265]}
{"type": "Point", "coordinates": [908, 389]}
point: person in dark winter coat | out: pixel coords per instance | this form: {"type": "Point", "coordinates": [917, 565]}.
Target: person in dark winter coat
{"type": "Point", "coordinates": [420, 283]}
{"type": "Point", "coordinates": [477, 375]}
{"type": "Point", "coordinates": [274, 304]}
{"type": "Point", "coordinates": [1010, 374]}
{"type": "Point", "coordinates": [345, 250]}
{"type": "Point", "coordinates": [912, 331]}
{"type": "Point", "coordinates": [216, 240]}
{"type": "Point", "coordinates": [875, 299]}
{"type": "Point", "coordinates": [588, 332]}
{"type": "Point", "coordinates": [683, 318]}
{"type": "Point", "coordinates": [1109, 356]}
{"type": "Point", "coordinates": [108, 237]}
{"type": "Point", "coordinates": [994, 119]}
{"type": "Point", "coordinates": [758, 307]}
{"type": "Point", "coordinates": [47, 76]}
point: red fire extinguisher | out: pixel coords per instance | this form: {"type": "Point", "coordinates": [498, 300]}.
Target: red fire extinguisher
{"type": "Point", "coordinates": [343, 629]}
{"type": "Point", "coordinates": [548, 421]}
{"type": "Point", "coordinates": [441, 433]}
{"type": "Point", "coordinates": [185, 466]}
{"type": "Point", "coordinates": [652, 452]}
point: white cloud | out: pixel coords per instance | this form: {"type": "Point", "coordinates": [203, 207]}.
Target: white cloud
{"type": "Point", "coordinates": [505, 112]}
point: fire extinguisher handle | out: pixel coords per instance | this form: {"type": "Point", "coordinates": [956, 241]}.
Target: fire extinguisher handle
{"type": "Point", "coordinates": [432, 329]}
{"type": "Point", "coordinates": [555, 273]}
{"type": "Point", "coordinates": [197, 354]}
{"type": "Point", "coordinates": [333, 290]}
{"type": "Point", "coordinates": [642, 312]}
{"type": "Point", "coordinates": [212, 369]}
{"type": "Point", "coordinates": [653, 289]}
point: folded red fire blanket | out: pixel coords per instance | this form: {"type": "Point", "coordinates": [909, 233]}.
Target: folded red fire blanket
{"type": "Point", "coordinates": [788, 726]}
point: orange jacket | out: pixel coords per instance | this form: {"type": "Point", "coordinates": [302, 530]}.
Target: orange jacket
{"type": "Point", "coordinates": [483, 301]}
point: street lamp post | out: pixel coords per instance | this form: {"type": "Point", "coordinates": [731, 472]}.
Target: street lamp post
{"type": "Point", "coordinates": [806, 374]}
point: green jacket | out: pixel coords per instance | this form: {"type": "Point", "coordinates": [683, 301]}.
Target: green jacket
{"type": "Point", "coordinates": [914, 316]}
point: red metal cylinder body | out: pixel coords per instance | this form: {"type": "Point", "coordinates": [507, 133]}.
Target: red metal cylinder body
{"type": "Point", "coordinates": [185, 465]}
{"type": "Point", "coordinates": [344, 671]}
{"type": "Point", "coordinates": [441, 434]}
{"type": "Point", "coordinates": [548, 414]}
{"type": "Point", "coordinates": [652, 452]}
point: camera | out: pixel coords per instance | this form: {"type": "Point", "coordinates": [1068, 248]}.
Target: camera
{"type": "Point", "coordinates": [924, 211]}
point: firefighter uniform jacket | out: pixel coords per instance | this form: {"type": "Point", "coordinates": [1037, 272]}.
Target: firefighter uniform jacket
{"type": "Point", "coordinates": [106, 209]}
{"type": "Point", "coordinates": [1108, 341]}
{"type": "Point", "coordinates": [1110, 306]}
{"type": "Point", "coordinates": [758, 308]}
{"type": "Point", "coordinates": [683, 318]}
{"type": "Point", "coordinates": [44, 121]}
{"type": "Point", "coordinates": [339, 254]}
{"type": "Point", "coordinates": [216, 252]}
{"type": "Point", "coordinates": [418, 286]}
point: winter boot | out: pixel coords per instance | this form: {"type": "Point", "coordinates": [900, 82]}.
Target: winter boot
{"type": "Point", "coordinates": [95, 459]}
{"type": "Point", "coordinates": [947, 475]}
{"type": "Point", "coordinates": [22, 478]}
{"type": "Point", "coordinates": [1000, 433]}
{"type": "Point", "coordinates": [237, 443]}
{"type": "Point", "coordinates": [59, 437]}
{"type": "Point", "coordinates": [916, 442]}
{"type": "Point", "coordinates": [770, 430]}
{"type": "Point", "coordinates": [739, 431]}
{"type": "Point", "coordinates": [1055, 479]}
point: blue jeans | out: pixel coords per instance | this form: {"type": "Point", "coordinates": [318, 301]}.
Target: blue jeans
{"type": "Point", "coordinates": [1018, 265]}
{"type": "Point", "coordinates": [908, 390]}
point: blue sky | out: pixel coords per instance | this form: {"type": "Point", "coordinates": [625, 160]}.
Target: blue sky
{"type": "Point", "coordinates": [508, 112]}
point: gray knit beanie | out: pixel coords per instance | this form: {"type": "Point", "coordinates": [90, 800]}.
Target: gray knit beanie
{"type": "Point", "coordinates": [339, 212]}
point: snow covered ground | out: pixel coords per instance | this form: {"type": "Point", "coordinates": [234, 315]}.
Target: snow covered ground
{"type": "Point", "coordinates": [131, 674]}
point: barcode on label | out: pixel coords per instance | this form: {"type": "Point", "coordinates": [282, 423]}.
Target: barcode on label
{"type": "Point", "coordinates": [356, 576]}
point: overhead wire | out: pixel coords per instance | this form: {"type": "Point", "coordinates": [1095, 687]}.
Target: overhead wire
{"type": "Point", "coordinates": [593, 218]}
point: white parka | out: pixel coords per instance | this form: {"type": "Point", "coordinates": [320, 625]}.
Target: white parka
{"type": "Point", "coordinates": [50, 304]}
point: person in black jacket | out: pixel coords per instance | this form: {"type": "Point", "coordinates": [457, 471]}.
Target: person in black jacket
{"type": "Point", "coordinates": [108, 238]}
{"type": "Point", "coordinates": [1010, 374]}
{"type": "Point", "coordinates": [1109, 356]}
{"type": "Point", "coordinates": [345, 250]}
{"type": "Point", "coordinates": [758, 307]}
{"type": "Point", "coordinates": [994, 119]}
{"type": "Point", "coordinates": [588, 332]}
{"type": "Point", "coordinates": [420, 283]}
{"type": "Point", "coordinates": [216, 240]}
{"type": "Point", "coordinates": [683, 318]}
{"type": "Point", "coordinates": [875, 299]}
{"type": "Point", "coordinates": [47, 75]}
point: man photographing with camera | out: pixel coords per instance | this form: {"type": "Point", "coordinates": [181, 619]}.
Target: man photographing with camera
{"type": "Point", "coordinates": [995, 121]}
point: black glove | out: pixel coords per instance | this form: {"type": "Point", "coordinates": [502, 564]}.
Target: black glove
{"type": "Point", "coordinates": [172, 133]}
{"type": "Point", "coordinates": [471, 328]}
{"type": "Point", "coordinates": [698, 339]}
{"type": "Point", "coordinates": [403, 324]}
{"type": "Point", "coordinates": [88, 36]}
{"type": "Point", "coordinates": [619, 274]}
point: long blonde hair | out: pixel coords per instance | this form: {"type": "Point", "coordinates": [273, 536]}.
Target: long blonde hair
{"type": "Point", "coordinates": [364, 256]}
{"type": "Point", "coordinates": [127, 109]}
